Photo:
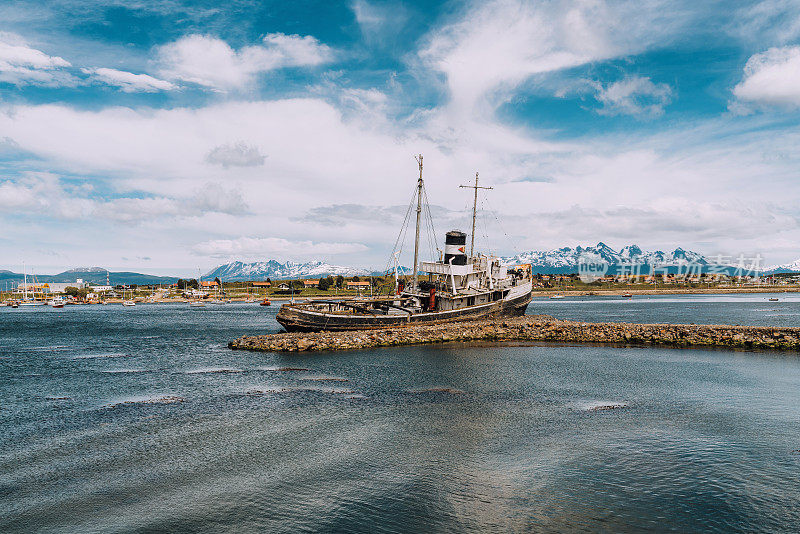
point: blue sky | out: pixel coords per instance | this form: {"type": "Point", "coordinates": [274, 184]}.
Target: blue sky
{"type": "Point", "coordinates": [166, 136]}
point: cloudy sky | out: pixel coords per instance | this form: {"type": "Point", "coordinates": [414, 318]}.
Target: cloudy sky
{"type": "Point", "coordinates": [166, 136]}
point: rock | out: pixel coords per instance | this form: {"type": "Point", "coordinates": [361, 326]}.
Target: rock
{"type": "Point", "coordinates": [529, 328]}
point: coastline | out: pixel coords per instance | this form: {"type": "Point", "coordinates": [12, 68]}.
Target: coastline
{"type": "Point", "coordinates": [535, 293]}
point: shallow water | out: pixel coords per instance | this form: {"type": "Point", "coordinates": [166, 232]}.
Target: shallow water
{"type": "Point", "coordinates": [132, 419]}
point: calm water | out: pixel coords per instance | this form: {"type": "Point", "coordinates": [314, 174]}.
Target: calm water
{"type": "Point", "coordinates": [420, 439]}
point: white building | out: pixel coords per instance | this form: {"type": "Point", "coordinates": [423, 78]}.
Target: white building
{"type": "Point", "coordinates": [100, 289]}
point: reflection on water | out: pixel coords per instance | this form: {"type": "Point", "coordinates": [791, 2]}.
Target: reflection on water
{"type": "Point", "coordinates": [434, 438]}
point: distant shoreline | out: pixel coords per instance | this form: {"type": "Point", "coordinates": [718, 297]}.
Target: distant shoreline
{"type": "Point", "coordinates": [671, 291]}
{"type": "Point", "coordinates": [536, 293]}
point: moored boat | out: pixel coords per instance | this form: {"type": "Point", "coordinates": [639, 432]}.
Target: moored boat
{"type": "Point", "coordinates": [457, 287]}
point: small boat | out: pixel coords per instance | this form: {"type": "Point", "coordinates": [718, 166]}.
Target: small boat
{"type": "Point", "coordinates": [57, 302]}
{"type": "Point", "coordinates": [556, 296]}
{"type": "Point", "coordinates": [14, 305]}
{"type": "Point", "coordinates": [627, 295]}
{"type": "Point", "coordinates": [197, 304]}
{"type": "Point", "coordinates": [264, 302]}
{"type": "Point", "coordinates": [129, 303]}
{"type": "Point", "coordinates": [773, 300]}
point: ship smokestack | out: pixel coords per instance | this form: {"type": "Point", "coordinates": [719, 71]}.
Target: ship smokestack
{"type": "Point", "coordinates": [455, 247]}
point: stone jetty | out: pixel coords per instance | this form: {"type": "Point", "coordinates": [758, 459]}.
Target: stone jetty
{"type": "Point", "coordinates": [531, 328]}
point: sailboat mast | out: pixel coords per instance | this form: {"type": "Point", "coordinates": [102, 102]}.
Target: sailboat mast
{"type": "Point", "coordinates": [474, 212]}
{"type": "Point", "coordinates": [25, 277]}
{"type": "Point", "coordinates": [419, 219]}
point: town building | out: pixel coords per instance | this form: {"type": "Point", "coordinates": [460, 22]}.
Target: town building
{"type": "Point", "coordinates": [358, 285]}
{"type": "Point", "coordinates": [100, 289]}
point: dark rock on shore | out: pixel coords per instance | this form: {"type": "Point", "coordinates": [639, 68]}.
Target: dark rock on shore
{"type": "Point", "coordinates": [531, 328]}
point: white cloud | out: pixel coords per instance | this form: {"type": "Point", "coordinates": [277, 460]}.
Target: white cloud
{"type": "Point", "coordinates": [319, 157]}
{"type": "Point", "coordinates": [272, 247]}
{"type": "Point", "coordinates": [498, 44]}
{"type": "Point", "coordinates": [129, 82]}
{"type": "Point", "coordinates": [637, 96]}
{"type": "Point", "coordinates": [21, 64]}
{"type": "Point", "coordinates": [767, 22]}
{"type": "Point", "coordinates": [213, 197]}
{"type": "Point", "coordinates": [211, 62]}
{"type": "Point", "coordinates": [771, 78]}
{"type": "Point", "coordinates": [15, 51]}
{"type": "Point", "coordinates": [380, 23]}
{"type": "Point", "coordinates": [238, 154]}
{"type": "Point", "coordinates": [45, 195]}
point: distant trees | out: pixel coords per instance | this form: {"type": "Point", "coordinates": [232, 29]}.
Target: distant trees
{"type": "Point", "coordinates": [356, 279]}
{"type": "Point", "coordinates": [187, 283]}
{"type": "Point", "coordinates": [74, 292]}
{"type": "Point", "coordinates": [298, 284]}
{"type": "Point", "coordinates": [339, 281]}
{"type": "Point", "coordinates": [325, 283]}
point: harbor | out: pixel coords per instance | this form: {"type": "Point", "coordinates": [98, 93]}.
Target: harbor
{"type": "Point", "coordinates": [234, 300]}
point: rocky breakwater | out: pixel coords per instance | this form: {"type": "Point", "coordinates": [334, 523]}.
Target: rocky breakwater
{"type": "Point", "coordinates": [531, 328]}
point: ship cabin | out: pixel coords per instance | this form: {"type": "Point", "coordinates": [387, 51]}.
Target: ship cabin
{"type": "Point", "coordinates": [456, 286]}
{"type": "Point", "coordinates": [458, 281]}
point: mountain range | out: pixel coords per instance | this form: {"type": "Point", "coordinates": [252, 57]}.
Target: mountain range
{"type": "Point", "coordinates": [557, 261]}
{"type": "Point", "coordinates": [261, 270]}
{"type": "Point", "coordinates": [792, 267]}
{"type": "Point", "coordinates": [565, 260]}
{"type": "Point", "coordinates": [92, 275]}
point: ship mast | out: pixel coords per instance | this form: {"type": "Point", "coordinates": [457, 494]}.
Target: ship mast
{"type": "Point", "coordinates": [419, 218]}
{"type": "Point", "coordinates": [474, 212]}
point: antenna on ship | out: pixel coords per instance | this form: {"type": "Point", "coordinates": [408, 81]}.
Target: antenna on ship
{"type": "Point", "coordinates": [419, 218]}
{"type": "Point", "coordinates": [474, 209]}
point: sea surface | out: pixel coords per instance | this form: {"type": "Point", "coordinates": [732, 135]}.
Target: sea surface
{"type": "Point", "coordinates": [750, 309]}
{"type": "Point", "coordinates": [117, 419]}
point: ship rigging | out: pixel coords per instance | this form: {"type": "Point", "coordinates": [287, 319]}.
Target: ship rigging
{"type": "Point", "coordinates": [458, 285]}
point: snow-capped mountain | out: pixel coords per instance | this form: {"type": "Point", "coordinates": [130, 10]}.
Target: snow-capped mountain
{"type": "Point", "coordinates": [793, 267]}
{"type": "Point", "coordinates": [262, 270]}
{"type": "Point", "coordinates": [565, 260]}
{"type": "Point", "coordinates": [558, 261]}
